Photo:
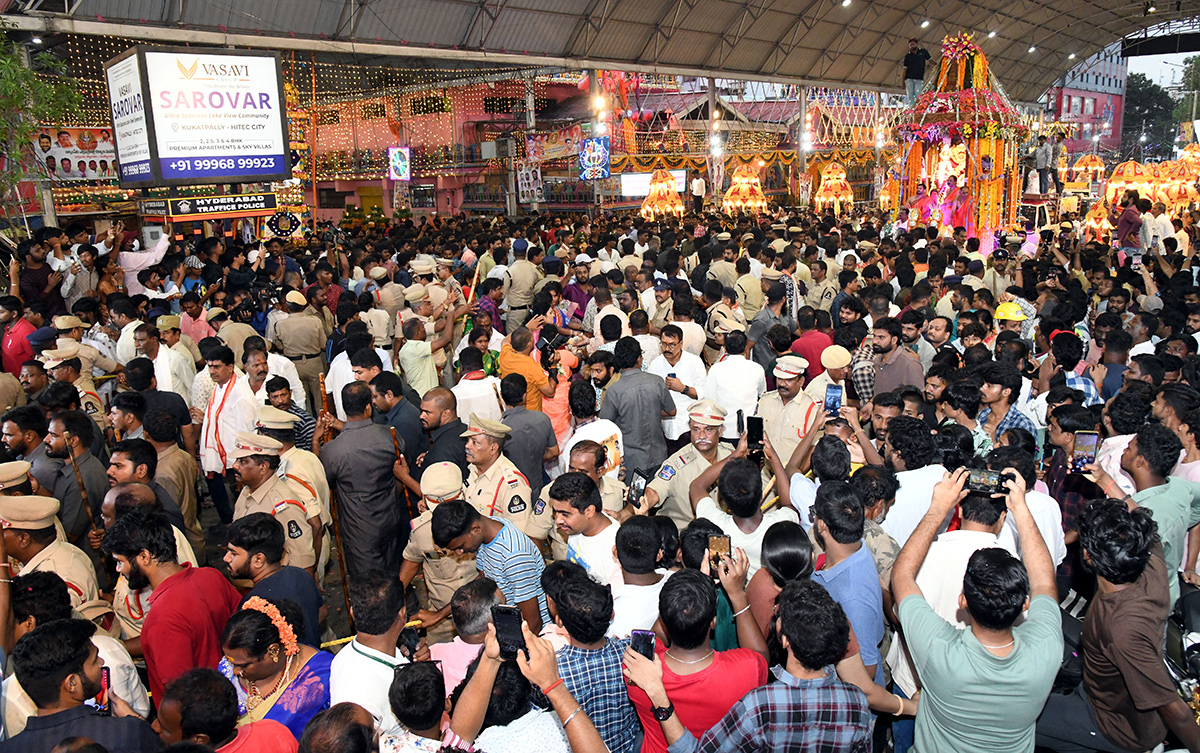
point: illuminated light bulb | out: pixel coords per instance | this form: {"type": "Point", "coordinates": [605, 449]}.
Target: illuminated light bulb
{"type": "Point", "coordinates": [991, 35]}
{"type": "Point", "coordinates": [925, 24]}
{"type": "Point", "coordinates": [1032, 48]}
{"type": "Point", "coordinates": [599, 101]}
{"type": "Point", "coordinates": [1071, 56]}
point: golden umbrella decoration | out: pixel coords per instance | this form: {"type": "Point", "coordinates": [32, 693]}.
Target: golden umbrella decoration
{"type": "Point", "coordinates": [745, 192]}
{"type": "Point", "coordinates": [1096, 225]}
{"type": "Point", "coordinates": [1125, 176]}
{"type": "Point", "coordinates": [1090, 164]}
{"type": "Point", "coordinates": [835, 189]}
{"type": "Point", "coordinates": [662, 198]}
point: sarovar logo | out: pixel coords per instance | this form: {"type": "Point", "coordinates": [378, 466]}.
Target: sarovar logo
{"type": "Point", "coordinates": [211, 70]}
{"type": "Point", "coordinates": [187, 71]}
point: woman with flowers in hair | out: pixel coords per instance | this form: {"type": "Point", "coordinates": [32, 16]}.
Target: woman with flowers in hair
{"type": "Point", "coordinates": [275, 675]}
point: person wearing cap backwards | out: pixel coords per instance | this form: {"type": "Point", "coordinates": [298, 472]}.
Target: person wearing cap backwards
{"type": "Point", "coordinates": [301, 339]}
{"type": "Point", "coordinates": [256, 459]}
{"type": "Point", "coordinates": [788, 413]}
{"type": "Point", "coordinates": [359, 464]}
{"type": "Point", "coordinates": [443, 572]}
{"type": "Point", "coordinates": [519, 281]}
{"type": "Point", "coordinates": [300, 467]}
{"type": "Point", "coordinates": [495, 487]}
{"type": "Point", "coordinates": [29, 536]}
{"type": "Point", "coordinates": [669, 487]}
{"type": "Point", "coordinates": [72, 328]}
{"type": "Point", "coordinates": [64, 365]}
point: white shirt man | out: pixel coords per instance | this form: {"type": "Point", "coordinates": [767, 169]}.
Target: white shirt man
{"type": "Point", "coordinates": [689, 370]}
{"type": "Point", "coordinates": [698, 186]}
{"type": "Point", "coordinates": [480, 396]}
{"type": "Point", "coordinates": [912, 501]}
{"type": "Point", "coordinates": [360, 674]}
{"type": "Point", "coordinates": [126, 347]}
{"type": "Point", "coordinates": [1048, 517]}
{"type": "Point", "coordinates": [230, 409]}
{"type": "Point", "coordinates": [595, 553]}
{"type": "Point", "coordinates": [174, 372]}
{"type": "Point", "coordinates": [735, 383]}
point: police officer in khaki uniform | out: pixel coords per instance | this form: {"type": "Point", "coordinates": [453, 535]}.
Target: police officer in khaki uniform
{"type": "Point", "coordinates": [663, 303]}
{"type": "Point", "coordinates": [750, 295]}
{"type": "Point", "coordinates": [65, 365]}
{"type": "Point", "coordinates": [72, 328]}
{"type": "Point", "coordinates": [256, 458]}
{"type": "Point", "coordinates": [443, 571]}
{"type": "Point", "coordinates": [519, 281]}
{"type": "Point", "coordinates": [717, 313]}
{"type": "Point", "coordinates": [669, 487]}
{"type": "Point", "coordinates": [723, 269]}
{"type": "Point", "coordinates": [788, 414]}
{"type": "Point", "coordinates": [591, 458]}
{"type": "Point", "coordinates": [303, 468]}
{"type": "Point", "coordinates": [36, 546]}
{"type": "Point", "coordinates": [301, 340]}
{"type": "Point", "coordinates": [445, 279]}
{"type": "Point", "coordinates": [495, 487]}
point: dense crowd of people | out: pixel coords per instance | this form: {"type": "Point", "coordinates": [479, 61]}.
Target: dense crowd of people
{"type": "Point", "coordinates": [716, 483]}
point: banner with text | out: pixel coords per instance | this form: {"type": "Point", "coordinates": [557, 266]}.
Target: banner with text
{"type": "Point", "coordinates": [130, 126]}
{"type": "Point", "coordinates": [215, 116]}
{"type": "Point", "coordinates": [222, 207]}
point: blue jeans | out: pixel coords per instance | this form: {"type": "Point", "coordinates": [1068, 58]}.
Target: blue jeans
{"type": "Point", "coordinates": [1043, 179]}
{"type": "Point", "coordinates": [912, 87]}
{"type": "Point", "coordinates": [903, 727]}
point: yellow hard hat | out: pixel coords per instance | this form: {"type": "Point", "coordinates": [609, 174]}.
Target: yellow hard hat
{"type": "Point", "coordinates": [1011, 312]}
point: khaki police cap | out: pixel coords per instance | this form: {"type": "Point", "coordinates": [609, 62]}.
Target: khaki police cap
{"type": "Point", "coordinates": [296, 298]}
{"type": "Point", "coordinates": [66, 351]}
{"type": "Point", "coordinates": [835, 357]}
{"type": "Point", "coordinates": [725, 326]}
{"type": "Point", "coordinates": [477, 425]}
{"type": "Point", "coordinates": [270, 417]}
{"type": "Point", "coordinates": [441, 482]}
{"type": "Point", "coordinates": [706, 413]}
{"type": "Point", "coordinates": [779, 226]}
{"type": "Point", "coordinates": [13, 474]}
{"type": "Point", "coordinates": [65, 323]}
{"type": "Point", "coordinates": [748, 236]}
{"type": "Point", "coordinates": [444, 262]}
{"type": "Point", "coordinates": [790, 367]}
{"type": "Point", "coordinates": [772, 275]}
{"type": "Point", "coordinates": [246, 443]}
{"type": "Point", "coordinates": [416, 293]}
{"type": "Point", "coordinates": [215, 313]}
{"type": "Point", "coordinates": [378, 273]}
{"type": "Point", "coordinates": [422, 267]}
{"type": "Point", "coordinates": [723, 236]}
{"type": "Point", "coordinates": [795, 230]}
{"type": "Point", "coordinates": [169, 321]}
{"type": "Point", "coordinates": [32, 513]}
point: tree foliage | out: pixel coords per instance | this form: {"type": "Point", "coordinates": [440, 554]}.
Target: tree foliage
{"type": "Point", "coordinates": [32, 95]}
{"type": "Point", "coordinates": [1148, 106]}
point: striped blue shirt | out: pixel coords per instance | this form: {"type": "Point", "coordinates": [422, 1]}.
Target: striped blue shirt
{"type": "Point", "coordinates": [514, 562]}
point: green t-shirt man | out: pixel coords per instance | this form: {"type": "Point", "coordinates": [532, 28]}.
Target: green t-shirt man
{"type": "Point", "coordinates": [971, 699]}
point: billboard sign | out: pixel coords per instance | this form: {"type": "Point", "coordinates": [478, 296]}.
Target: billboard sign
{"type": "Point", "coordinates": [214, 116]}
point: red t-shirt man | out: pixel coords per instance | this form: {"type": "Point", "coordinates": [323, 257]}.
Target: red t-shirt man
{"type": "Point", "coordinates": [701, 699]}
{"type": "Point", "coordinates": [183, 628]}
{"type": "Point", "coordinates": [15, 349]}
{"type": "Point", "coordinates": [809, 346]}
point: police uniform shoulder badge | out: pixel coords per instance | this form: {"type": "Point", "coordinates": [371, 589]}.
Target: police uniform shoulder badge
{"type": "Point", "coordinates": [666, 473]}
{"type": "Point", "coordinates": [293, 529]}
{"type": "Point", "coordinates": [517, 505]}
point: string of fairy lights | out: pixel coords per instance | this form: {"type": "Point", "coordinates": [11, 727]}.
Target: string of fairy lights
{"type": "Point", "coordinates": [445, 115]}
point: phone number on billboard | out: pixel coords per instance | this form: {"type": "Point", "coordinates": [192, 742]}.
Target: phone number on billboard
{"type": "Point", "coordinates": [239, 163]}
